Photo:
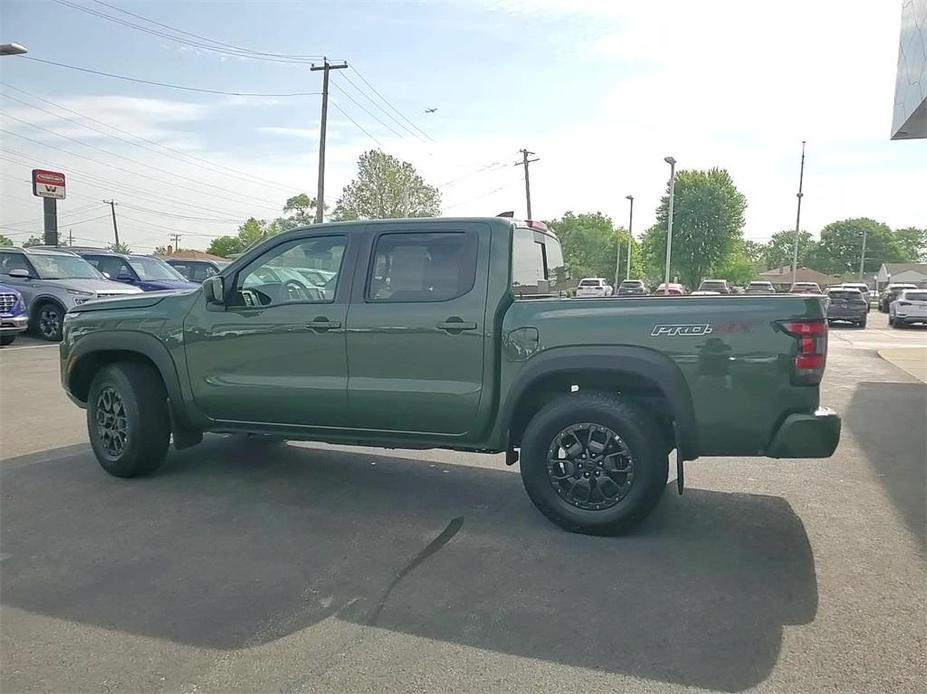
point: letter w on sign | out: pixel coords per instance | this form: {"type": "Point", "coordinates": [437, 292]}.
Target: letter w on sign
{"type": "Point", "coordinates": [680, 330]}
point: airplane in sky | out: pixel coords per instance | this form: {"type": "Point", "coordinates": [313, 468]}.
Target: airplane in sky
{"type": "Point", "coordinates": [430, 110]}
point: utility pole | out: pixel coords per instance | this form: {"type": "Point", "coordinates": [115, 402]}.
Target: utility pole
{"type": "Point", "coordinates": [325, 67]}
{"type": "Point", "coordinates": [176, 237]}
{"type": "Point", "coordinates": [70, 237]}
{"type": "Point", "coordinates": [862, 257]}
{"type": "Point", "coordinates": [669, 222]}
{"type": "Point", "coordinates": [801, 179]}
{"type": "Point", "coordinates": [524, 162]}
{"type": "Point", "coordinates": [112, 206]}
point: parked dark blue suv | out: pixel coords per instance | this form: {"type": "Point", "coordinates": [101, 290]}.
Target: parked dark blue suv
{"type": "Point", "coordinates": [146, 272]}
{"type": "Point", "coordinates": [13, 316]}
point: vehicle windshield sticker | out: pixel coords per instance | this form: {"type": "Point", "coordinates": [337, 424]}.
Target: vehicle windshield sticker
{"type": "Point", "coordinates": [680, 330]}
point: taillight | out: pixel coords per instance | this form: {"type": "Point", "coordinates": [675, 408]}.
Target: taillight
{"type": "Point", "coordinates": [808, 364]}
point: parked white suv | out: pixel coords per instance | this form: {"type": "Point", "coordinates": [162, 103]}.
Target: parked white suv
{"type": "Point", "coordinates": [909, 307]}
{"type": "Point", "coordinates": [593, 286]}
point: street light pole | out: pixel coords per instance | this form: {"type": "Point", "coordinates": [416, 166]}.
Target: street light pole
{"type": "Point", "coordinates": [627, 274]}
{"type": "Point", "coordinates": [862, 257]}
{"type": "Point", "coordinates": [801, 179]}
{"type": "Point", "coordinates": [669, 222]}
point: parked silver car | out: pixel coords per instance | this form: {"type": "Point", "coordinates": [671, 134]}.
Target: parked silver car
{"type": "Point", "coordinates": [51, 282]}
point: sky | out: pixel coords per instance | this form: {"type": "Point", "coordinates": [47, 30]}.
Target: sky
{"type": "Point", "coordinates": [600, 91]}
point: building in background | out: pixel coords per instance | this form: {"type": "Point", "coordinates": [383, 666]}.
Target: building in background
{"type": "Point", "coordinates": [910, 114]}
{"type": "Point", "coordinates": [916, 273]}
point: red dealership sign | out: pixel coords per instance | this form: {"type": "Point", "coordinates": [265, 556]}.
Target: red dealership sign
{"type": "Point", "coordinates": [48, 184]}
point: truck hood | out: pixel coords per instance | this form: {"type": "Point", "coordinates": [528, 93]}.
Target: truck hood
{"type": "Point", "coordinates": [130, 301]}
{"type": "Point", "coordinates": [98, 287]}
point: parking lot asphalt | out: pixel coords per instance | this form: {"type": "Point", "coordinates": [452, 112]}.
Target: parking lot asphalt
{"type": "Point", "coordinates": [303, 567]}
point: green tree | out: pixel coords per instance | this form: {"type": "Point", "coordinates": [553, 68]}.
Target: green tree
{"type": "Point", "coordinates": [738, 268]}
{"type": "Point", "coordinates": [300, 209]}
{"type": "Point", "coordinates": [225, 246]}
{"type": "Point", "coordinates": [708, 220]}
{"type": "Point", "coordinates": [913, 244]}
{"type": "Point", "coordinates": [590, 246]}
{"type": "Point", "coordinates": [781, 246]}
{"type": "Point", "coordinates": [841, 245]}
{"type": "Point", "coordinates": [5, 241]}
{"type": "Point", "coordinates": [121, 247]}
{"type": "Point", "coordinates": [754, 251]}
{"type": "Point", "coordinates": [386, 188]}
{"type": "Point", "coordinates": [34, 240]}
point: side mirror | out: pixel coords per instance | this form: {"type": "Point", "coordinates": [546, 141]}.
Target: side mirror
{"type": "Point", "coordinates": [107, 275]}
{"type": "Point", "coordinates": [20, 273]}
{"type": "Point", "coordinates": [214, 290]}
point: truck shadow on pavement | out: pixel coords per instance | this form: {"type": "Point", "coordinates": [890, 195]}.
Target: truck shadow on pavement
{"type": "Point", "coordinates": [887, 420]}
{"type": "Point", "coordinates": [233, 546]}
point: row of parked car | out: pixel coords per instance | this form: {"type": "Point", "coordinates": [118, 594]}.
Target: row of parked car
{"type": "Point", "coordinates": [599, 287]}
{"type": "Point", "coordinates": [39, 284]}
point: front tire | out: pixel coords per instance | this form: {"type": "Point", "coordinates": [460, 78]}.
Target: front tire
{"type": "Point", "coordinates": [594, 463]}
{"type": "Point", "coordinates": [49, 320]}
{"type": "Point", "coordinates": [127, 419]}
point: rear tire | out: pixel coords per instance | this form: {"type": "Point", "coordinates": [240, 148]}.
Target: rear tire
{"type": "Point", "coordinates": [6, 340]}
{"type": "Point", "coordinates": [862, 324]}
{"type": "Point", "coordinates": [128, 420]}
{"type": "Point", "coordinates": [636, 445]}
{"type": "Point", "coordinates": [49, 320]}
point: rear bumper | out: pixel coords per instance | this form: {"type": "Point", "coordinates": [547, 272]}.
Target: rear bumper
{"type": "Point", "coordinates": [910, 319]}
{"type": "Point", "coordinates": [847, 314]}
{"type": "Point", "coordinates": [806, 436]}
{"type": "Point", "coordinates": [11, 325]}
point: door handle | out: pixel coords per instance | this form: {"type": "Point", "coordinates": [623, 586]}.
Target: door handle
{"type": "Point", "coordinates": [322, 324]}
{"type": "Point", "coordinates": [455, 325]}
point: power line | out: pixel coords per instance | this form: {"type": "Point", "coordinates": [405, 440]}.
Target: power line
{"type": "Point", "coordinates": [496, 165]}
{"type": "Point", "coordinates": [387, 102]}
{"type": "Point", "coordinates": [359, 126]}
{"type": "Point", "coordinates": [204, 38]}
{"type": "Point", "coordinates": [160, 84]}
{"type": "Point", "coordinates": [180, 155]}
{"type": "Point", "coordinates": [69, 213]}
{"type": "Point", "coordinates": [382, 110]}
{"type": "Point", "coordinates": [365, 110]}
{"type": "Point", "coordinates": [211, 187]}
{"type": "Point", "coordinates": [238, 52]}
{"type": "Point", "coordinates": [106, 184]}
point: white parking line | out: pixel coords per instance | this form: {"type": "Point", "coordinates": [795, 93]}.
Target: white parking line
{"type": "Point", "coordinates": [16, 349]}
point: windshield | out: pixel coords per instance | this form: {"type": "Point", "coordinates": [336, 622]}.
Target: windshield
{"type": "Point", "coordinates": [845, 294]}
{"type": "Point", "coordinates": [64, 267]}
{"type": "Point", "coordinates": [632, 283]}
{"type": "Point", "coordinates": [713, 284]}
{"type": "Point", "coordinates": [154, 269]}
{"type": "Point", "coordinates": [590, 283]}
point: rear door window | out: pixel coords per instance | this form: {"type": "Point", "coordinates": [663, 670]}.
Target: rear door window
{"type": "Point", "coordinates": [422, 267]}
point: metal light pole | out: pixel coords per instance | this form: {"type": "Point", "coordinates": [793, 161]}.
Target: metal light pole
{"type": "Point", "coordinates": [669, 222]}
{"type": "Point", "coordinates": [627, 274]}
{"type": "Point", "coordinates": [862, 256]}
{"type": "Point", "coordinates": [801, 179]}
{"type": "Point", "coordinates": [12, 49]}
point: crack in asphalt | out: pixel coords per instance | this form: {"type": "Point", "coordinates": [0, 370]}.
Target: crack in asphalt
{"type": "Point", "coordinates": [452, 529]}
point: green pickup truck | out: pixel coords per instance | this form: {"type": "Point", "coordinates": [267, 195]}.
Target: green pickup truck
{"type": "Point", "coordinates": [450, 333]}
